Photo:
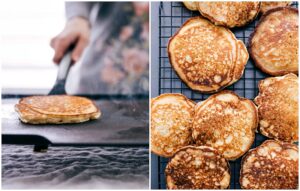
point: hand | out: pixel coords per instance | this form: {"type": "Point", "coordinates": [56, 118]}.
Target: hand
{"type": "Point", "coordinates": [77, 32]}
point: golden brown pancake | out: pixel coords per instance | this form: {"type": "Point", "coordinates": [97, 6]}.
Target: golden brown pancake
{"type": "Point", "coordinates": [171, 123]}
{"type": "Point", "coordinates": [277, 103]}
{"type": "Point", "coordinates": [205, 56]}
{"type": "Point", "coordinates": [229, 14]}
{"type": "Point", "coordinates": [56, 109]}
{"type": "Point", "coordinates": [191, 5]}
{"type": "Point", "coordinates": [242, 58]}
{"type": "Point", "coordinates": [272, 165]}
{"type": "Point", "coordinates": [197, 168]}
{"type": "Point", "coordinates": [274, 43]}
{"type": "Point", "coordinates": [226, 122]}
{"type": "Point", "coordinates": [268, 5]}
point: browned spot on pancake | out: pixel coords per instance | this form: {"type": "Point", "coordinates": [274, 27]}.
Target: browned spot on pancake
{"type": "Point", "coordinates": [197, 168]}
{"type": "Point", "coordinates": [226, 122]}
{"type": "Point", "coordinates": [272, 165]}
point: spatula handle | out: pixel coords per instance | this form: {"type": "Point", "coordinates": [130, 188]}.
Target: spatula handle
{"type": "Point", "coordinates": [64, 65]}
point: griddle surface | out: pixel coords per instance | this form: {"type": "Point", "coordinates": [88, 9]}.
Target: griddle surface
{"type": "Point", "coordinates": [123, 122]}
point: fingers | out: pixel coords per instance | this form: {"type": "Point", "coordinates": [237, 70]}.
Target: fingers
{"type": "Point", "coordinates": [60, 45]}
{"type": "Point", "coordinates": [76, 31]}
{"type": "Point", "coordinates": [80, 45]}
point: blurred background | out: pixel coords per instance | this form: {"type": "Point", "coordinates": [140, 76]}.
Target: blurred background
{"type": "Point", "coordinates": [26, 56]}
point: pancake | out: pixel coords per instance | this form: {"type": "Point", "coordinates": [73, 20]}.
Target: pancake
{"type": "Point", "coordinates": [242, 58]}
{"type": "Point", "coordinates": [277, 103]}
{"type": "Point", "coordinates": [171, 123]}
{"type": "Point", "coordinates": [206, 57]}
{"type": "Point", "coordinates": [56, 109]}
{"type": "Point", "coordinates": [229, 14]}
{"type": "Point", "coordinates": [191, 5]}
{"type": "Point", "coordinates": [226, 122]}
{"type": "Point", "coordinates": [268, 5]}
{"type": "Point", "coordinates": [272, 165]}
{"type": "Point", "coordinates": [197, 168]}
{"type": "Point", "coordinates": [274, 43]}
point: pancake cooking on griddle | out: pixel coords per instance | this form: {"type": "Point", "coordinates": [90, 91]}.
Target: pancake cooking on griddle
{"type": "Point", "coordinates": [229, 14]}
{"type": "Point", "coordinates": [278, 107]}
{"type": "Point", "coordinates": [197, 168]}
{"type": "Point", "coordinates": [56, 109]}
{"type": "Point", "coordinates": [205, 56]}
{"type": "Point", "coordinates": [272, 165]}
{"type": "Point", "coordinates": [171, 123]}
{"type": "Point", "coordinates": [267, 5]}
{"type": "Point", "coordinates": [274, 43]}
{"type": "Point", "coordinates": [226, 122]}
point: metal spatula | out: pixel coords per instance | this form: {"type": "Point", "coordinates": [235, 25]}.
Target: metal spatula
{"type": "Point", "coordinates": [62, 74]}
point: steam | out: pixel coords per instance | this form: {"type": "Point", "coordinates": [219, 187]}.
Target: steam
{"type": "Point", "coordinates": [59, 182]}
{"type": "Point", "coordinates": [75, 167]}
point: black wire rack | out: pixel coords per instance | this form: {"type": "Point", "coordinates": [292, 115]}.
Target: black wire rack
{"type": "Point", "coordinates": [171, 17]}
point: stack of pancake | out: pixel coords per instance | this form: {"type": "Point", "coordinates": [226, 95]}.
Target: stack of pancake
{"type": "Point", "coordinates": [56, 109]}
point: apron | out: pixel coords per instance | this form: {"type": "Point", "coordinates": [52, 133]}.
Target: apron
{"type": "Point", "coordinates": [116, 62]}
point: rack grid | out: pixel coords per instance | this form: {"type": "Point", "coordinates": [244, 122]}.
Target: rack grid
{"type": "Point", "coordinates": [171, 16]}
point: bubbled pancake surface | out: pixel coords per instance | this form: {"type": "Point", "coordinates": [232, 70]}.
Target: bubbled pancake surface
{"type": "Point", "coordinates": [272, 165]}
{"type": "Point", "coordinates": [277, 103]}
{"type": "Point", "coordinates": [60, 104]}
{"type": "Point", "coordinates": [56, 109]}
{"type": "Point", "coordinates": [191, 5]}
{"type": "Point", "coordinates": [267, 5]}
{"type": "Point", "coordinates": [206, 57]}
{"type": "Point", "coordinates": [197, 168]}
{"type": "Point", "coordinates": [242, 58]}
{"type": "Point", "coordinates": [226, 122]}
{"type": "Point", "coordinates": [171, 123]}
{"type": "Point", "coordinates": [229, 14]}
{"type": "Point", "coordinates": [274, 43]}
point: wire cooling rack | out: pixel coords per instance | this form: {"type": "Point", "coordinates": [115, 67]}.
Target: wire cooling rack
{"type": "Point", "coordinates": [171, 17]}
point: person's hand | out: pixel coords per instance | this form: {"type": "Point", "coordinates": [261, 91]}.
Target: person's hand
{"type": "Point", "coordinates": [77, 32]}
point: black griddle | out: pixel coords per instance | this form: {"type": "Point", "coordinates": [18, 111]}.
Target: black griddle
{"type": "Point", "coordinates": [124, 122]}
